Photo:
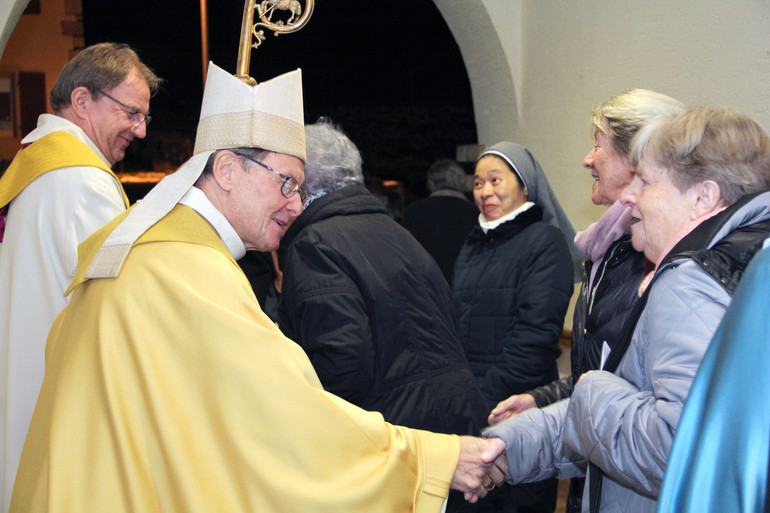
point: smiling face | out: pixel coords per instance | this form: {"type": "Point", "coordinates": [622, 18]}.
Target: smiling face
{"type": "Point", "coordinates": [496, 188]}
{"type": "Point", "coordinates": [256, 208]}
{"type": "Point", "coordinates": [611, 171]}
{"type": "Point", "coordinates": [107, 123]}
{"type": "Point", "coordinates": [660, 211]}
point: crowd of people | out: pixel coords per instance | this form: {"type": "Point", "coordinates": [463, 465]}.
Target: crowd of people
{"type": "Point", "coordinates": [375, 366]}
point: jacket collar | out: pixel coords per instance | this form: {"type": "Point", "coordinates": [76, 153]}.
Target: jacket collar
{"type": "Point", "coordinates": [348, 200]}
{"type": "Point", "coordinates": [709, 231]}
{"type": "Point", "coordinates": [508, 229]}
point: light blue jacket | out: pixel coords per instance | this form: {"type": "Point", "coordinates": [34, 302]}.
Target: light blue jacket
{"type": "Point", "coordinates": [625, 422]}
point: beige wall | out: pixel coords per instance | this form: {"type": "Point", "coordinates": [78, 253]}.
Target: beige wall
{"type": "Point", "coordinates": [39, 36]}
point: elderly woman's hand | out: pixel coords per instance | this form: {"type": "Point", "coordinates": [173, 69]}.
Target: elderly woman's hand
{"type": "Point", "coordinates": [481, 466]}
{"type": "Point", "coordinates": [582, 376]}
{"type": "Point", "coordinates": [510, 407]}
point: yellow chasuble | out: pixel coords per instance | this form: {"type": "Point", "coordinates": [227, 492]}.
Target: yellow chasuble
{"type": "Point", "coordinates": [53, 151]}
{"type": "Point", "coordinates": [167, 389]}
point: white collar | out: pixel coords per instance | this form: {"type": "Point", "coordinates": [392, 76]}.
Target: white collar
{"type": "Point", "coordinates": [49, 123]}
{"type": "Point", "coordinates": [491, 225]}
{"type": "Point", "coordinates": [197, 200]}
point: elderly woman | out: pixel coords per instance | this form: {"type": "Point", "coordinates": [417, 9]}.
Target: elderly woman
{"type": "Point", "coordinates": [699, 214]}
{"type": "Point", "coordinates": [512, 283]}
{"type": "Point", "coordinates": [613, 270]}
{"type": "Point", "coordinates": [368, 304]}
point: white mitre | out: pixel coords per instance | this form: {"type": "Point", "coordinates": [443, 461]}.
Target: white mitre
{"type": "Point", "coordinates": [267, 116]}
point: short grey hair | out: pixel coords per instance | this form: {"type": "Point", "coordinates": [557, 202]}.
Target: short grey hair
{"type": "Point", "coordinates": [253, 153]}
{"type": "Point", "coordinates": [708, 143]}
{"type": "Point", "coordinates": [446, 174]}
{"type": "Point", "coordinates": [333, 161]}
{"type": "Point", "coordinates": [620, 117]}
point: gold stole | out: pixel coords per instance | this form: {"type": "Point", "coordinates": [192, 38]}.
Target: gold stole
{"type": "Point", "coordinates": [53, 151]}
{"type": "Point", "coordinates": [182, 224]}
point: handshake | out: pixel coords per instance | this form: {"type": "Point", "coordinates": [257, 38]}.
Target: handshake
{"type": "Point", "coordinates": [481, 467]}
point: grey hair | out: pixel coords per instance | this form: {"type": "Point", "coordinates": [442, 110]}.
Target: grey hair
{"type": "Point", "coordinates": [620, 117]}
{"type": "Point", "coordinates": [446, 174]}
{"type": "Point", "coordinates": [254, 153]}
{"type": "Point", "coordinates": [708, 143]}
{"type": "Point", "coordinates": [333, 161]}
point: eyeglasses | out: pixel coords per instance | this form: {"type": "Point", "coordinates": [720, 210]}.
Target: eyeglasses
{"type": "Point", "coordinates": [290, 185]}
{"type": "Point", "coordinates": [136, 117]}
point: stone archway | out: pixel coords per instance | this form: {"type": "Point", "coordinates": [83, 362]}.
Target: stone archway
{"type": "Point", "coordinates": [490, 70]}
{"type": "Point", "coordinates": [10, 12]}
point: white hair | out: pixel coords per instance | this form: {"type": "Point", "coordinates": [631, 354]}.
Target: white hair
{"type": "Point", "coordinates": [333, 161]}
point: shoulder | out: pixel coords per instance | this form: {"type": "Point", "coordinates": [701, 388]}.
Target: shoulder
{"type": "Point", "coordinates": [86, 179]}
{"type": "Point", "coordinates": [541, 238]}
{"type": "Point", "coordinates": [317, 249]}
{"type": "Point", "coordinates": [418, 207]}
{"type": "Point", "coordinates": [316, 233]}
{"type": "Point", "coordinates": [685, 288]}
{"type": "Point", "coordinates": [81, 190]}
{"type": "Point", "coordinates": [174, 268]}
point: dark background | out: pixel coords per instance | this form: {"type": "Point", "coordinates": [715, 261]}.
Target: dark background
{"type": "Point", "coordinates": [390, 73]}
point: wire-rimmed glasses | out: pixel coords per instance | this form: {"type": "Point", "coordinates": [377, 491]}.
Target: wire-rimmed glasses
{"type": "Point", "coordinates": [136, 117]}
{"type": "Point", "coordinates": [290, 185]}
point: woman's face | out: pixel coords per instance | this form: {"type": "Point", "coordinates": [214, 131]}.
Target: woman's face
{"type": "Point", "coordinates": [496, 189]}
{"type": "Point", "coordinates": [659, 210]}
{"type": "Point", "coordinates": [610, 170]}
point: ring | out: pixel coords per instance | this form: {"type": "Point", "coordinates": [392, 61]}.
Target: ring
{"type": "Point", "coordinates": [489, 485]}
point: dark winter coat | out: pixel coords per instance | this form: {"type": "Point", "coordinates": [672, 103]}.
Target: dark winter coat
{"type": "Point", "coordinates": [512, 287]}
{"type": "Point", "coordinates": [374, 314]}
{"type": "Point", "coordinates": [600, 313]}
{"type": "Point", "coordinates": [440, 223]}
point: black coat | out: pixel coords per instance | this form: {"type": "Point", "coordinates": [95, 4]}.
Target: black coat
{"type": "Point", "coordinates": [374, 314]}
{"type": "Point", "coordinates": [440, 223]}
{"type": "Point", "coordinates": [600, 313]}
{"type": "Point", "coordinates": [512, 287]}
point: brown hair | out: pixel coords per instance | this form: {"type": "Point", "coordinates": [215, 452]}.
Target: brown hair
{"type": "Point", "coordinates": [101, 66]}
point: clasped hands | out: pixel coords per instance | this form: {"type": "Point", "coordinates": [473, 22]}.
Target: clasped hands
{"type": "Point", "coordinates": [482, 464]}
{"type": "Point", "coordinates": [481, 467]}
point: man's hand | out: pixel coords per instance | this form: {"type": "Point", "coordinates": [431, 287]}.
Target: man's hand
{"type": "Point", "coordinates": [477, 469]}
{"type": "Point", "coordinates": [501, 462]}
{"type": "Point", "coordinates": [510, 407]}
